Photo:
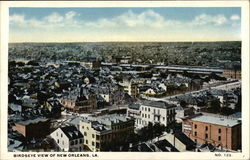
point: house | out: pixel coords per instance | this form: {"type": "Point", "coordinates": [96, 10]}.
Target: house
{"type": "Point", "coordinates": [79, 100]}
{"type": "Point", "coordinates": [152, 111]}
{"type": "Point", "coordinates": [91, 62]}
{"type": "Point", "coordinates": [68, 138]}
{"type": "Point", "coordinates": [232, 73]}
{"type": "Point", "coordinates": [100, 132]}
{"type": "Point", "coordinates": [33, 128]}
{"type": "Point", "coordinates": [55, 107]}
{"type": "Point", "coordinates": [183, 112]}
{"type": "Point", "coordinates": [164, 146]}
{"type": "Point", "coordinates": [215, 129]}
{"type": "Point", "coordinates": [133, 110]}
{"type": "Point", "coordinates": [142, 147]}
{"type": "Point", "coordinates": [180, 141]}
{"type": "Point", "coordinates": [123, 59]}
{"type": "Point", "coordinates": [130, 87]}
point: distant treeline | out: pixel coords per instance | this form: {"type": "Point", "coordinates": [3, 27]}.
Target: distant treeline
{"type": "Point", "coordinates": [170, 53]}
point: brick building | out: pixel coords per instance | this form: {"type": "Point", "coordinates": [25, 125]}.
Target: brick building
{"type": "Point", "coordinates": [218, 130]}
{"type": "Point", "coordinates": [35, 128]}
{"type": "Point", "coordinates": [230, 73]}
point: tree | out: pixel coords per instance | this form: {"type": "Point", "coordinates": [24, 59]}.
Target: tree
{"type": "Point", "coordinates": [158, 129]}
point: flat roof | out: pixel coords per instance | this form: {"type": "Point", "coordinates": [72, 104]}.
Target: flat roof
{"type": "Point", "coordinates": [222, 121]}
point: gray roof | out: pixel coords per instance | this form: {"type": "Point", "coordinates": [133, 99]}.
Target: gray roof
{"type": "Point", "coordinates": [104, 123]}
{"type": "Point", "coordinates": [223, 121]}
{"type": "Point", "coordinates": [157, 104]}
{"type": "Point", "coordinates": [134, 106]}
{"type": "Point", "coordinates": [71, 132]}
{"type": "Point", "coordinates": [32, 121]}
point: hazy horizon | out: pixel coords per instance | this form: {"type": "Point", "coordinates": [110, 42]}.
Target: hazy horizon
{"type": "Point", "coordinates": [133, 41]}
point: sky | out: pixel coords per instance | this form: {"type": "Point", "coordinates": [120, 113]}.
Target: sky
{"type": "Point", "coordinates": [124, 24]}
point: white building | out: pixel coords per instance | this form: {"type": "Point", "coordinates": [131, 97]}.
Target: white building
{"type": "Point", "coordinates": [68, 139]}
{"type": "Point", "coordinates": [152, 111]}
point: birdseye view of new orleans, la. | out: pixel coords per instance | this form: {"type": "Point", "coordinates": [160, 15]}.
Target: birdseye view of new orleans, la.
{"type": "Point", "coordinates": [139, 79]}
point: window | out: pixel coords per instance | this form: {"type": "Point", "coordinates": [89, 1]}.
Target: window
{"type": "Point", "coordinates": [219, 130]}
{"type": "Point", "coordinates": [195, 140]}
{"type": "Point", "coordinates": [145, 108]}
{"type": "Point", "coordinates": [195, 126]}
{"type": "Point", "coordinates": [87, 142]}
{"type": "Point", "coordinates": [195, 133]}
{"type": "Point", "coordinates": [206, 135]}
{"type": "Point", "coordinates": [61, 135]}
{"type": "Point", "coordinates": [85, 134]}
{"type": "Point", "coordinates": [58, 141]}
{"type": "Point", "coordinates": [142, 115]}
{"type": "Point", "coordinates": [149, 116]}
{"type": "Point", "coordinates": [142, 108]}
{"type": "Point", "coordinates": [82, 127]}
{"type": "Point", "coordinates": [93, 136]}
{"type": "Point", "coordinates": [206, 128]}
{"type": "Point", "coordinates": [149, 109]}
{"type": "Point", "coordinates": [97, 145]}
{"type": "Point", "coordinates": [93, 143]}
{"type": "Point", "coordinates": [163, 118]}
{"type": "Point", "coordinates": [80, 140]}
{"type": "Point", "coordinates": [76, 141]}
{"type": "Point", "coordinates": [219, 138]}
{"type": "Point", "coordinates": [97, 137]}
{"type": "Point", "coordinates": [87, 128]}
{"type": "Point", "coordinates": [145, 115]}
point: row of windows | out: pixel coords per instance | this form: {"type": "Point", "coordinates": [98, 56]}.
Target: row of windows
{"type": "Point", "coordinates": [142, 122]}
{"type": "Point", "coordinates": [206, 136]}
{"type": "Point", "coordinates": [146, 109]}
{"type": "Point", "coordinates": [206, 128]}
{"type": "Point", "coordinates": [146, 115]}
{"type": "Point", "coordinates": [86, 127]}
{"type": "Point", "coordinates": [73, 142]}
{"type": "Point", "coordinates": [58, 134]}
{"type": "Point", "coordinates": [93, 143]}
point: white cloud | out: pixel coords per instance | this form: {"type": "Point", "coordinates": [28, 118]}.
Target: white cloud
{"type": "Point", "coordinates": [235, 17]}
{"type": "Point", "coordinates": [205, 19]}
{"type": "Point", "coordinates": [146, 19]}
{"type": "Point", "coordinates": [16, 18]}
{"type": "Point", "coordinates": [152, 19]}
{"type": "Point", "coordinates": [70, 15]}
{"type": "Point", "coordinates": [54, 18]}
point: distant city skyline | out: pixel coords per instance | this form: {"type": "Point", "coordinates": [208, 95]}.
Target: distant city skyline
{"type": "Point", "coordinates": [125, 24]}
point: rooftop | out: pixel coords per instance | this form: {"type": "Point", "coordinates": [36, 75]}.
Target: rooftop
{"type": "Point", "coordinates": [71, 132]}
{"type": "Point", "coordinates": [157, 104]}
{"type": "Point", "coordinates": [222, 121]}
{"type": "Point", "coordinates": [32, 121]}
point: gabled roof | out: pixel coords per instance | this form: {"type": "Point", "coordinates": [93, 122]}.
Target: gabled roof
{"type": "Point", "coordinates": [185, 140]}
{"type": "Point", "coordinates": [72, 132]}
{"type": "Point", "coordinates": [165, 146]}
